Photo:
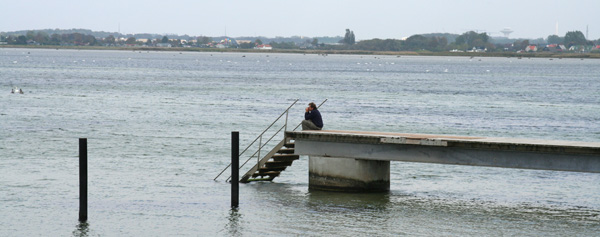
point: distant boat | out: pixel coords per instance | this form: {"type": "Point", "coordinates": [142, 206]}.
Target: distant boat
{"type": "Point", "coordinates": [16, 90]}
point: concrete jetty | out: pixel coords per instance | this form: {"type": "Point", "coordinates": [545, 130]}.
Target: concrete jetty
{"type": "Point", "coordinates": [360, 161]}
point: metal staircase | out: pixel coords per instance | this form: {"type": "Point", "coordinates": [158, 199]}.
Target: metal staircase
{"type": "Point", "coordinates": [273, 163]}
{"type": "Point", "coordinates": [281, 156]}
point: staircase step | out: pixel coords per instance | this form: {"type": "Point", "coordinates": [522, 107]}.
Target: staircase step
{"type": "Point", "coordinates": [278, 163]}
{"type": "Point", "coordinates": [262, 179]}
{"type": "Point", "coordinates": [286, 155]}
{"type": "Point", "coordinates": [268, 169]}
{"type": "Point", "coordinates": [269, 173]}
{"type": "Point", "coordinates": [286, 151]}
{"type": "Point", "coordinates": [286, 158]}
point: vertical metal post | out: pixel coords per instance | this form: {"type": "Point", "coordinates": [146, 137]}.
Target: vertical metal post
{"type": "Point", "coordinates": [286, 119]}
{"type": "Point", "coordinates": [83, 214]}
{"type": "Point", "coordinates": [258, 157]}
{"type": "Point", "coordinates": [235, 169]}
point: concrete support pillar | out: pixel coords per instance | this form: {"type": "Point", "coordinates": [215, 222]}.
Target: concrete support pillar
{"type": "Point", "coordinates": [349, 175]}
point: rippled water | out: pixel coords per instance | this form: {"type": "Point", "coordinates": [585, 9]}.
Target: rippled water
{"type": "Point", "coordinates": [158, 126]}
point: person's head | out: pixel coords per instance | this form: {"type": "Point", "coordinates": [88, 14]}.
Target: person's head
{"type": "Point", "coordinates": [312, 106]}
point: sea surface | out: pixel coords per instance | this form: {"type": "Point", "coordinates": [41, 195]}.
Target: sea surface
{"type": "Point", "coordinates": [158, 126]}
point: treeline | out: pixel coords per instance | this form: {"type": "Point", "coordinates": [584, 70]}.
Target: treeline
{"type": "Point", "coordinates": [468, 41]}
{"type": "Point", "coordinates": [434, 43]}
{"type": "Point", "coordinates": [79, 39]}
{"type": "Point", "coordinates": [42, 38]}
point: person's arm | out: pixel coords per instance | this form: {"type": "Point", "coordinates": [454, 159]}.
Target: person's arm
{"type": "Point", "coordinates": [308, 115]}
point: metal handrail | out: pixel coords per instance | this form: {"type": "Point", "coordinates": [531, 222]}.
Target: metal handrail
{"type": "Point", "coordinates": [260, 136]}
{"type": "Point", "coordinates": [277, 119]}
{"type": "Point", "coordinates": [258, 151]}
{"type": "Point", "coordinates": [271, 138]}
{"type": "Point", "coordinates": [284, 127]}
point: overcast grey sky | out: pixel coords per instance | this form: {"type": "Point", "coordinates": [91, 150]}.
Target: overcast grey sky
{"type": "Point", "coordinates": [368, 19]}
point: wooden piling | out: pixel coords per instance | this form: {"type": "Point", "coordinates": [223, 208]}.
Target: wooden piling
{"type": "Point", "coordinates": [235, 164]}
{"type": "Point", "coordinates": [83, 214]}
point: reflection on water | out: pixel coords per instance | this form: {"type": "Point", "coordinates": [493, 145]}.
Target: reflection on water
{"type": "Point", "coordinates": [340, 201]}
{"type": "Point", "coordinates": [82, 230]}
{"type": "Point", "coordinates": [234, 226]}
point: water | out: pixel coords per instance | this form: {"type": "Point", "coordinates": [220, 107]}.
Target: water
{"type": "Point", "coordinates": [158, 126]}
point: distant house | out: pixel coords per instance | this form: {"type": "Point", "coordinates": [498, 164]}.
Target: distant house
{"type": "Point", "coordinates": [228, 43]}
{"type": "Point", "coordinates": [531, 48]}
{"type": "Point", "coordinates": [166, 45]}
{"type": "Point", "coordinates": [32, 42]}
{"type": "Point", "coordinates": [478, 50]}
{"type": "Point", "coordinates": [578, 48]}
{"type": "Point", "coordinates": [555, 48]}
{"type": "Point", "coordinates": [581, 48]}
{"type": "Point", "coordinates": [264, 47]}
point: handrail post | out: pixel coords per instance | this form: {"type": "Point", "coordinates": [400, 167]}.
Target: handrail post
{"type": "Point", "coordinates": [258, 157]}
{"type": "Point", "coordinates": [286, 120]}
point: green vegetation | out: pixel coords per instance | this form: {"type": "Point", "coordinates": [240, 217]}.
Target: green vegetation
{"type": "Point", "coordinates": [555, 39]}
{"type": "Point", "coordinates": [349, 38]}
{"type": "Point", "coordinates": [469, 43]}
{"type": "Point", "coordinates": [574, 38]}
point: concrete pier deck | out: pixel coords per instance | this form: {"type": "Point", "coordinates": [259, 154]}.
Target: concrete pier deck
{"type": "Point", "coordinates": [445, 149]}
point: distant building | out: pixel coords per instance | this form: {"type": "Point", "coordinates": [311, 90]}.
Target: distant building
{"type": "Point", "coordinates": [555, 48]}
{"type": "Point", "coordinates": [531, 48]}
{"type": "Point", "coordinates": [575, 48]}
{"type": "Point", "coordinates": [165, 45]}
{"type": "Point", "coordinates": [581, 48]}
{"type": "Point", "coordinates": [229, 43]}
{"type": "Point", "coordinates": [506, 31]}
{"type": "Point", "coordinates": [264, 47]}
{"type": "Point", "coordinates": [478, 50]}
{"type": "Point", "coordinates": [32, 42]}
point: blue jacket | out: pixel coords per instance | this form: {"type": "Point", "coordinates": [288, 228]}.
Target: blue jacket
{"type": "Point", "coordinates": [315, 116]}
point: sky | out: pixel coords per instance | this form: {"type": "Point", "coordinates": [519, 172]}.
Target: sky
{"type": "Point", "coordinates": [313, 18]}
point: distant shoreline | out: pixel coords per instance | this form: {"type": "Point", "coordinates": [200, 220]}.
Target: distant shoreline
{"type": "Point", "coordinates": [322, 52]}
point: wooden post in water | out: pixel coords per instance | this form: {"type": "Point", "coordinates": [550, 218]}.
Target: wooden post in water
{"type": "Point", "coordinates": [235, 170]}
{"type": "Point", "coordinates": [83, 180]}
